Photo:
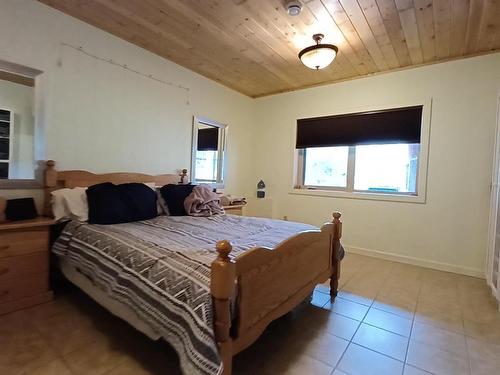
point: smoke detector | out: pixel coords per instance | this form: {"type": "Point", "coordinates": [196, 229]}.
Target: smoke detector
{"type": "Point", "coordinates": [294, 8]}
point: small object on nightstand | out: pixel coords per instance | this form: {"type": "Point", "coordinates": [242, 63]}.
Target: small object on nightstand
{"type": "Point", "coordinates": [232, 200]}
{"type": "Point", "coordinates": [24, 263]}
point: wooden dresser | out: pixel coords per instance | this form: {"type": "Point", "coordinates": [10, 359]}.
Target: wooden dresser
{"type": "Point", "coordinates": [24, 263]}
{"type": "Point", "coordinates": [234, 210]}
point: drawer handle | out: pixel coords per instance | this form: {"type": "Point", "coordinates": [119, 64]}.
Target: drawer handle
{"type": "Point", "coordinates": [4, 293]}
{"type": "Point", "coordinates": [3, 271]}
{"type": "Point", "coordinates": [4, 247]}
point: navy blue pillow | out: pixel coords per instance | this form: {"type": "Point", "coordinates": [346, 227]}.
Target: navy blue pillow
{"type": "Point", "coordinates": [174, 196]}
{"type": "Point", "coordinates": [114, 204]}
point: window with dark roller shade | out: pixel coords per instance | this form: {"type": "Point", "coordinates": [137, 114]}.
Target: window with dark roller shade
{"type": "Point", "coordinates": [401, 125]}
{"type": "Point", "coordinates": [208, 152]}
{"type": "Point", "coordinates": [375, 152]}
{"type": "Point", "coordinates": [208, 139]}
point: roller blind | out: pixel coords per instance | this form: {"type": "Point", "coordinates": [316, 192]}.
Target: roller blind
{"type": "Point", "coordinates": [208, 139]}
{"type": "Point", "coordinates": [400, 125]}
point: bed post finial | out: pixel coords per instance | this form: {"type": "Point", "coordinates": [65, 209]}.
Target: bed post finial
{"type": "Point", "coordinates": [337, 253]}
{"type": "Point", "coordinates": [50, 173]}
{"type": "Point", "coordinates": [337, 225]}
{"type": "Point", "coordinates": [50, 182]}
{"type": "Point", "coordinates": [222, 284]}
{"type": "Point", "coordinates": [223, 248]}
{"type": "Point", "coordinates": [183, 175]}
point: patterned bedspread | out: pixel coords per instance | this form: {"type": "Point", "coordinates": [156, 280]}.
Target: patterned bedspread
{"type": "Point", "coordinates": [161, 269]}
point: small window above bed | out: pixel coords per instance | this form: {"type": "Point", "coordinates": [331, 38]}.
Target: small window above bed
{"type": "Point", "coordinates": [208, 153]}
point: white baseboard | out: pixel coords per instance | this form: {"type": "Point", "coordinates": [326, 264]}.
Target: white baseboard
{"type": "Point", "coordinates": [417, 261]}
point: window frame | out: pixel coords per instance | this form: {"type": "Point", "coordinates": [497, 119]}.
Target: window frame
{"type": "Point", "coordinates": [349, 191]}
{"type": "Point", "coordinates": [219, 183]}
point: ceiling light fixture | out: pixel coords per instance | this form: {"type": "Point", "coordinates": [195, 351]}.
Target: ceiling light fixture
{"type": "Point", "coordinates": [294, 8]}
{"type": "Point", "coordinates": [318, 56]}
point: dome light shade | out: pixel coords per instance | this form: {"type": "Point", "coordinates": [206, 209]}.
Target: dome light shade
{"type": "Point", "coordinates": [318, 56]}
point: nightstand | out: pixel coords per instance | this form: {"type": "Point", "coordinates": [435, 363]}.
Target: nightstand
{"type": "Point", "coordinates": [24, 263]}
{"type": "Point", "coordinates": [237, 209]}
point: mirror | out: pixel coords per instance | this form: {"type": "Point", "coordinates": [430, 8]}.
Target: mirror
{"type": "Point", "coordinates": [209, 143]}
{"type": "Point", "coordinates": [17, 125]}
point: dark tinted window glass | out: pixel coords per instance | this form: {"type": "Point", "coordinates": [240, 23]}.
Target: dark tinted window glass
{"type": "Point", "coordinates": [4, 115]}
{"type": "Point", "coordinates": [4, 149]}
{"type": "Point", "coordinates": [4, 170]}
{"type": "Point", "coordinates": [4, 129]}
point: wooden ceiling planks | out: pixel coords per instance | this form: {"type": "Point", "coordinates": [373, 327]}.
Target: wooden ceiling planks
{"type": "Point", "coordinates": [252, 45]}
{"type": "Point", "coordinates": [459, 16]}
{"type": "Point", "coordinates": [424, 14]}
{"type": "Point", "coordinates": [377, 26]}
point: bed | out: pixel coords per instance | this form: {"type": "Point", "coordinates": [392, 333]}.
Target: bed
{"type": "Point", "coordinates": [208, 286]}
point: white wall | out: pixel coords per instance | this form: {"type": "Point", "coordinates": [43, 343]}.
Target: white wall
{"type": "Point", "coordinates": [449, 231]}
{"type": "Point", "coordinates": [19, 99]}
{"type": "Point", "coordinates": [96, 116]}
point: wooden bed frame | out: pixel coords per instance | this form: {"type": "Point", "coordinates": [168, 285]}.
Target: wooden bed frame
{"type": "Point", "coordinates": [270, 282]}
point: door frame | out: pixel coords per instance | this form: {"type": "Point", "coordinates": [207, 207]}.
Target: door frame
{"type": "Point", "coordinates": [493, 218]}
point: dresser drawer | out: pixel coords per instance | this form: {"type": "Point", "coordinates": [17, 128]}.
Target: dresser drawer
{"type": "Point", "coordinates": [23, 265]}
{"type": "Point", "coordinates": [14, 243]}
{"type": "Point", "coordinates": [20, 287]}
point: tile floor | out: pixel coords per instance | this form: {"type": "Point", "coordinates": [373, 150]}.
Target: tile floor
{"type": "Point", "coordinates": [389, 318]}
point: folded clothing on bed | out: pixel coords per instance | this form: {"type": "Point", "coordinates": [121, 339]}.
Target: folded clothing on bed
{"type": "Point", "coordinates": [203, 202]}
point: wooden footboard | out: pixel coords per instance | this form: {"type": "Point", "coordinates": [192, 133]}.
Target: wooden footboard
{"type": "Point", "coordinates": [270, 283]}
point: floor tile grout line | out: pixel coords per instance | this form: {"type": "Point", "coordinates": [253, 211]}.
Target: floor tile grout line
{"type": "Point", "coordinates": [58, 354]}
{"type": "Point", "coordinates": [357, 329]}
{"type": "Point", "coordinates": [378, 293]}
{"type": "Point", "coordinates": [413, 323]}
{"type": "Point", "coordinates": [462, 333]}
{"type": "Point", "coordinates": [386, 330]}
{"type": "Point", "coordinates": [48, 342]}
{"type": "Point", "coordinates": [469, 362]}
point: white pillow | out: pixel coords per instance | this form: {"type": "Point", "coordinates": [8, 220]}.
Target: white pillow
{"type": "Point", "coordinates": [70, 204]}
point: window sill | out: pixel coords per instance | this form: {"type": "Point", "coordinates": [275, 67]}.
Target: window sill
{"type": "Point", "coordinates": [360, 195]}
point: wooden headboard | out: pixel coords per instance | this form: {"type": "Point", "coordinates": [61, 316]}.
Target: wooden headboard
{"type": "Point", "coordinates": [54, 180]}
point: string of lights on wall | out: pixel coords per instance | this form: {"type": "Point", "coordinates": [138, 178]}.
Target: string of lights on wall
{"type": "Point", "coordinates": [129, 69]}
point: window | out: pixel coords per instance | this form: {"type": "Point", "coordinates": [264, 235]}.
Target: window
{"type": "Point", "coordinates": [326, 166]}
{"type": "Point", "coordinates": [388, 168]}
{"type": "Point", "coordinates": [206, 165]}
{"type": "Point", "coordinates": [373, 153]}
{"type": "Point", "coordinates": [208, 152]}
